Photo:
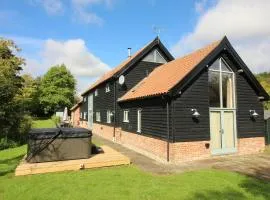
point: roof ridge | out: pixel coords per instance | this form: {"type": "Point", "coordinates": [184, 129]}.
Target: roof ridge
{"type": "Point", "coordinates": [171, 73]}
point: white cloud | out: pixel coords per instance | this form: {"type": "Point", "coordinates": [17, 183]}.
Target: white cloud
{"type": "Point", "coordinates": [83, 11]}
{"type": "Point", "coordinates": [41, 54]}
{"type": "Point", "coordinates": [76, 56]}
{"type": "Point", "coordinates": [200, 6]}
{"type": "Point", "coordinates": [245, 22]}
{"type": "Point", "coordinates": [52, 7]}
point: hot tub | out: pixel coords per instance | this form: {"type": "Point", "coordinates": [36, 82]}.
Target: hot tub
{"type": "Point", "coordinates": [54, 144]}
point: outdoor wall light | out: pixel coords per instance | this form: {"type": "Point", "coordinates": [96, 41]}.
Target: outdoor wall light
{"type": "Point", "coordinates": [195, 113]}
{"type": "Point", "coordinates": [253, 114]}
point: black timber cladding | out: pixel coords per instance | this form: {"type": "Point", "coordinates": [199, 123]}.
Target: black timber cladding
{"type": "Point", "coordinates": [84, 108]}
{"type": "Point", "coordinates": [104, 101]}
{"type": "Point", "coordinates": [153, 117]}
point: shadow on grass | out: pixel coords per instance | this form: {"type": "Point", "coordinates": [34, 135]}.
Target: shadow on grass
{"type": "Point", "coordinates": [252, 187]}
{"type": "Point", "coordinates": [211, 194]}
{"type": "Point", "coordinates": [9, 165]}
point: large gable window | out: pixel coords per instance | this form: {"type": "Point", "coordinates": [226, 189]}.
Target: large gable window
{"type": "Point", "coordinates": [221, 85]}
{"type": "Point", "coordinates": [155, 56]}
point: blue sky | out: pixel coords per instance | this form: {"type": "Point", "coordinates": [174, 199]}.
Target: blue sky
{"type": "Point", "coordinates": [91, 36]}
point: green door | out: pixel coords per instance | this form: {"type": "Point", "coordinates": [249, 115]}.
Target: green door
{"type": "Point", "coordinates": [222, 131]}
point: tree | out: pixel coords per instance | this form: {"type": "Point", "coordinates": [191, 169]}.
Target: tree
{"type": "Point", "coordinates": [11, 114]}
{"type": "Point", "coordinates": [57, 89]}
{"type": "Point", "coordinates": [29, 95]}
{"type": "Point", "coordinates": [264, 79]}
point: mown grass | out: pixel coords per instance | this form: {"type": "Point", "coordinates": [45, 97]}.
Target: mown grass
{"type": "Point", "coordinates": [126, 182]}
{"type": "Point", "coordinates": [44, 123]}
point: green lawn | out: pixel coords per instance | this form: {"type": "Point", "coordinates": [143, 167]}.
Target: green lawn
{"type": "Point", "coordinates": [47, 123]}
{"type": "Point", "coordinates": [126, 182]}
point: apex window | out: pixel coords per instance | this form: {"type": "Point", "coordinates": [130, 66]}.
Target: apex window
{"type": "Point", "coordinates": [221, 85]}
{"type": "Point", "coordinates": [96, 92]}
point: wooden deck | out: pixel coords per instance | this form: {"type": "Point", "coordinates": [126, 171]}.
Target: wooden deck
{"type": "Point", "coordinates": [110, 157]}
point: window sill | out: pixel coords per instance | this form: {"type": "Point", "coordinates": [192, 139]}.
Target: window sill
{"type": "Point", "coordinates": [126, 121]}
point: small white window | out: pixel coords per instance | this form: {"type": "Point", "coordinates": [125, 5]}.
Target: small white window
{"type": "Point", "coordinates": [84, 115]}
{"type": "Point", "coordinates": [84, 99]}
{"type": "Point", "coordinates": [107, 89]}
{"type": "Point", "coordinates": [96, 92]}
{"type": "Point", "coordinates": [125, 117]}
{"type": "Point", "coordinates": [109, 115]}
{"type": "Point", "coordinates": [139, 120]}
{"type": "Point", "coordinates": [81, 115]}
{"type": "Point", "coordinates": [98, 116]}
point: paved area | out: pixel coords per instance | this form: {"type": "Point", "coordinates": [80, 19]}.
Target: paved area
{"type": "Point", "coordinates": [256, 165]}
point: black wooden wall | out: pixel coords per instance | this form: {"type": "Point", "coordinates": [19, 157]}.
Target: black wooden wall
{"type": "Point", "coordinates": [84, 108]}
{"type": "Point", "coordinates": [195, 96]}
{"type": "Point", "coordinates": [134, 75]}
{"type": "Point", "coordinates": [154, 117]}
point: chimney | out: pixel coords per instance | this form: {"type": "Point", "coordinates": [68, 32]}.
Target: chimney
{"type": "Point", "coordinates": [129, 52]}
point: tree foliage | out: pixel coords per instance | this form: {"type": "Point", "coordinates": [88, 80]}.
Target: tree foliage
{"type": "Point", "coordinates": [57, 89]}
{"type": "Point", "coordinates": [264, 79]}
{"type": "Point", "coordinates": [11, 83]}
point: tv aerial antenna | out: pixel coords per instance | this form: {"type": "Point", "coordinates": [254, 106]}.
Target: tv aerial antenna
{"type": "Point", "coordinates": [157, 30]}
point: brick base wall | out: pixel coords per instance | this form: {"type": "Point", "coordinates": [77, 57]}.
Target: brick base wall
{"type": "Point", "coordinates": [84, 124]}
{"type": "Point", "coordinates": [178, 152]}
{"type": "Point", "coordinates": [250, 145]}
{"type": "Point", "coordinates": [103, 131]}
{"type": "Point", "coordinates": [187, 151]}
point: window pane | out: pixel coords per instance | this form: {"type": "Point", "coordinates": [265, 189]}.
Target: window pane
{"type": "Point", "coordinates": [215, 65]}
{"type": "Point", "coordinates": [224, 67]}
{"type": "Point", "coordinates": [214, 95]}
{"type": "Point", "coordinates": [227, 90]}
{"type": "Point", "coordinates": [159, 58]}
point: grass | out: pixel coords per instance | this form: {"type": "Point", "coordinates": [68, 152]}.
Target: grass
{"type": "Point", "coordinates": [126, 182]}
{"type": "Point", "coordinates": [47, 123]}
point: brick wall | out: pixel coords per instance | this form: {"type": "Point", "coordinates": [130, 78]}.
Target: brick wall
{"type": "Point", "coordinates": [178, 152]}
{"type": "Point", "coordinates": [84, 124]}
{"type": "Point", "coordinates": [103, 131]}
{"type": "Point", "coordinates": [187, 151]}
{"type": "Point", "coordinates": [250, 145]}
{"type": "Point", "coordinates": [75, 117]}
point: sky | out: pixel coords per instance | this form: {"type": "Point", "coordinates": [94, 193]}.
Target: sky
{"type": "Point", "coordinates": [92, 36]}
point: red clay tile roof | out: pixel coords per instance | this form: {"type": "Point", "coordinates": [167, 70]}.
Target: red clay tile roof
{"type": "Point", "coordinates": [166, 76]}
{"type": "Point", "coordinates": [112, 72]}
{"type": "Point", "coordinates": [76, 105]}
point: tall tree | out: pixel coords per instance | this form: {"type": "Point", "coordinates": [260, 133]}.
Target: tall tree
{"type": "Point", "coordinates": [57, 89]}
{"type": "Point", "coordinates": [10, 86]}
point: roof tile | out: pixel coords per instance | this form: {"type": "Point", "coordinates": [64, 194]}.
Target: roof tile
{"type": "Point", "coordinates": [166, 76]}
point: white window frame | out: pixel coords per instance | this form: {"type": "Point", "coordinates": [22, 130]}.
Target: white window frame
{"type": "Point", "coordinates": [84, 115]}
{"type": "Point", "coordinates": [109, 117]}
{"type": "Point", "coordinates": [81, 115]}
{"type": "Point", "coordinates": [107, 88]}
{"type": "Point", "coordinates": [125, 116]}
{"type": "Point", "coordinates": [96, 92]}
{"type": "Point", "coordinates": [139, 120]}
{"type": "Point", "coordinates": [98, 118]}
{"type": "Point", "coordinates": [84, 99]}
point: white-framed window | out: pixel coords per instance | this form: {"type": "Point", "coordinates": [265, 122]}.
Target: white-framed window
{"type": "Point", "coordinates": [139, 120]}
{"type": "Point", "coordinates": [81, 115]}
{"type": "Point", "coordinates": [84, 99]}
{"type": "Point", "coordinates": [125, 116]}
{"type": "Point", "coordinates": [84, 115]}
{"type": "Point", "coordinates": [96, 92]}
{"type": "Point", "coordinates": [109, 115]}
{"type": "Point", "coordinates": [98, 116]}
{"type": "Point", "coordinates": [107, 88]}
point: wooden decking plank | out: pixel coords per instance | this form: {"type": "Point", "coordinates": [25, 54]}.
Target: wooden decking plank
{"type": "Point", "coordinates": [110, 157]}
